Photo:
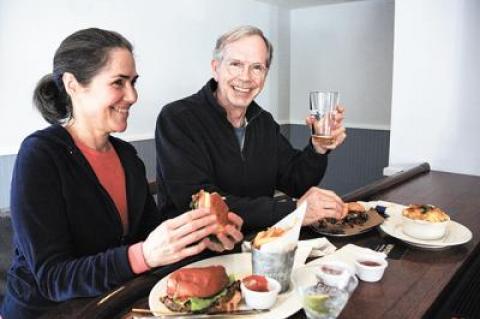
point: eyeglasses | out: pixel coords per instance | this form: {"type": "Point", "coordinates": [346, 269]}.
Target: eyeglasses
{"type": "Point", "coordinates": [236, 68]}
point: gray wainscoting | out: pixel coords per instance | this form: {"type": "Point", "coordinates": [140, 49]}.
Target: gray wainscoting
{"type": "Point", "coordinates": [358, 161]}
{"type": "Point", "coordinates": [6, 169]}
{"type": "Point", "coordinates": [6, 251]}
{"type": "Point", "coordinates": [145, 149]}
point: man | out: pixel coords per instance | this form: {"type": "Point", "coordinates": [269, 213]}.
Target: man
{"type": "Point", "coordinates": [220, 139]}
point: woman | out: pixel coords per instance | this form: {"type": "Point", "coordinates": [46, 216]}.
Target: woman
{"type": "Point", "coordinates": [83, 218]}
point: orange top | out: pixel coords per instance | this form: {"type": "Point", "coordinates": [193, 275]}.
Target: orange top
{"type": "Point", "coordinates": [109, 171]}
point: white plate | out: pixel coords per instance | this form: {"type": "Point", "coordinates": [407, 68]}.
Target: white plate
{"type": "Point", "coordinates": [239, 265]}
{"type": "Point", "coordinates": [456, 234]}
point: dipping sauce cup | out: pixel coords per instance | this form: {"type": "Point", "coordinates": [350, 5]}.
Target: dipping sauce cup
{"type": "Point", "coordinates": [334, 273]}
{"type": "Point", "coordinates": [370, 268]}
{"type": "Point", "coordinates": [261, 299]}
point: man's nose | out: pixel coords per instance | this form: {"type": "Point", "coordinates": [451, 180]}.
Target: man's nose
{"type": "Point", "coordinates": [245, 74]}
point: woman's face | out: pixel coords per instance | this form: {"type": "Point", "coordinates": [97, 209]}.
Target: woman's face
{"type": "Point", "coordinates": [103, 105]}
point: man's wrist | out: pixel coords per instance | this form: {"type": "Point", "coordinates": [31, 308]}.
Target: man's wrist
{"type": "Point", "coordinates": [318, 149]}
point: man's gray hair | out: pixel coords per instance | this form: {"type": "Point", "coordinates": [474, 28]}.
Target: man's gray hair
{"type": "Point", "coordinates": [237, 34]}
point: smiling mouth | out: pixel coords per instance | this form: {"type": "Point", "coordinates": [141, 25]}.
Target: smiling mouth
{"type": "Point", "coordinates": [121, 110]}
{"type": "Point", "coordinates": [242, 90]}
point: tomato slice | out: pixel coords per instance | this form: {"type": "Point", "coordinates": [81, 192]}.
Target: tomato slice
{"type": "Point", "coordinates": [256, 283]}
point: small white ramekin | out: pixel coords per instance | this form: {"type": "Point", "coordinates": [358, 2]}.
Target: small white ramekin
{"type": "Point", "coordinates": [334, 273]}
{"type": "Point", "coordinates": [370, 273]}
{"type": "Point", "coordinates": [261, 299]}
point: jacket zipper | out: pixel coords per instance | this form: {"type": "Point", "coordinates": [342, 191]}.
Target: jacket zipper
{"type": "Point", "coordinates": [242, 150]}
{"type": "Point", "coordinates": [113, 209]}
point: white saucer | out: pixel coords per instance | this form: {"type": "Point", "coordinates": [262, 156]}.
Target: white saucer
{"type": "Point", "coordinates": [456, 234]}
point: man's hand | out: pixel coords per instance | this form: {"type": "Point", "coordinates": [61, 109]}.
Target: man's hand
{"type": "Point", "coordinates": [322, 203]}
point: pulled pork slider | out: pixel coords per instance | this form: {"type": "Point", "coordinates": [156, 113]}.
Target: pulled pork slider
{"type": "Point", "coordinates": [355, 207]}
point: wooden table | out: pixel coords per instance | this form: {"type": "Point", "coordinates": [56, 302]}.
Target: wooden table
{"type": "Point", "coordinates": [415, 285]}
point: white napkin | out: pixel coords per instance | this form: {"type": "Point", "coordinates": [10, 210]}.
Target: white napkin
{"type": "Point", "coordinates": [319, 246]}
{"type": "Point", "coordinates": [301, 256]}
{"type": "Point", "coordinates": [292, 223]}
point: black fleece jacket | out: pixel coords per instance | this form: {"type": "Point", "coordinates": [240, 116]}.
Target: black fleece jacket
{"type": "Point", "coordinates": [67, 231]}
{"type": "Point", "coordinates": [197, 149]}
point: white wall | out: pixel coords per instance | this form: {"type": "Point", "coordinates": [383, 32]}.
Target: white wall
{"type": "Point", "coordinates": [173, 44]}
{"type": "Point", "coordinates": [282, 59]}
{"type": "Point", "coordinates": [346, 47]}
{"type": "Point", "coordinates": [436, 85]}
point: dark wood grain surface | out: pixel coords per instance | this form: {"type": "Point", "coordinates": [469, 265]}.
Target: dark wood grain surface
{"type": "Point", "coordinates": [413, 284]}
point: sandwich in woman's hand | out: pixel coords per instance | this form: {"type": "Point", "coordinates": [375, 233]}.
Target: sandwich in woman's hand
{"type": "Point", "coordinates": [202, 289]}
{"type": "Point", "coordinates": [217, 205]}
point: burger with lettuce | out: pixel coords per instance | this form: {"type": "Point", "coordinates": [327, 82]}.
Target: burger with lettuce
{"type": "Point", "coordinates": [202, 290]}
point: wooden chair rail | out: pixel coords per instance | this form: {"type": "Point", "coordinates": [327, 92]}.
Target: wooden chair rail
{"type": "Point", "coordinates": [365, 192]}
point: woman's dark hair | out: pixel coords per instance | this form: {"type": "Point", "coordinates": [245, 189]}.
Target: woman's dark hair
{"type": "Point", "coordinates": [83, 54]}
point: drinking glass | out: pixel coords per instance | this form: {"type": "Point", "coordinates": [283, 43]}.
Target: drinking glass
{"type": "Point", "coordinates": [319, 300]}
{"type": "Point", "coordinates": [322, 110]}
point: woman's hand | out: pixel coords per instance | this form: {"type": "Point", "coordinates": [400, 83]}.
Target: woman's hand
{"type": "Point", "coordinates": [229, 237]}
{"type": "Point", "coordinates": [322, 203]}
{"type": "Point", "coordinates": [179, 237]}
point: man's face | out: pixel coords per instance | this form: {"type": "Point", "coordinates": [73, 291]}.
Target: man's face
{"type": "Point", "coordinates": [241, 73]}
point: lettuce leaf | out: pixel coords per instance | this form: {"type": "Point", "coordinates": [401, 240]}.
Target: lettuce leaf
{"type": "Point", "coordinates": [198, 304]}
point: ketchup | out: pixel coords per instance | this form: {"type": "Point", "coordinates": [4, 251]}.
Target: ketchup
{"type": "Point", "coordinates": [331, 271]}
{"type": "Point", "coordinates": [256, 283]}
{"type": "Point", "coordinates": [370, 263]}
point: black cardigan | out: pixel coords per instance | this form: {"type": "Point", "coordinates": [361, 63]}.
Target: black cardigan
{"type": "Point", "coordinates": [197, 148]}
{"type": "Point", "coordinates": [68, 234]}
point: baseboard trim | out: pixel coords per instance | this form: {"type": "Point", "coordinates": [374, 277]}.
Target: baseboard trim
{"type": "Point", "coordinates": [4, 212]}
{"type": "Point", "coordinates": [364, 126]}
